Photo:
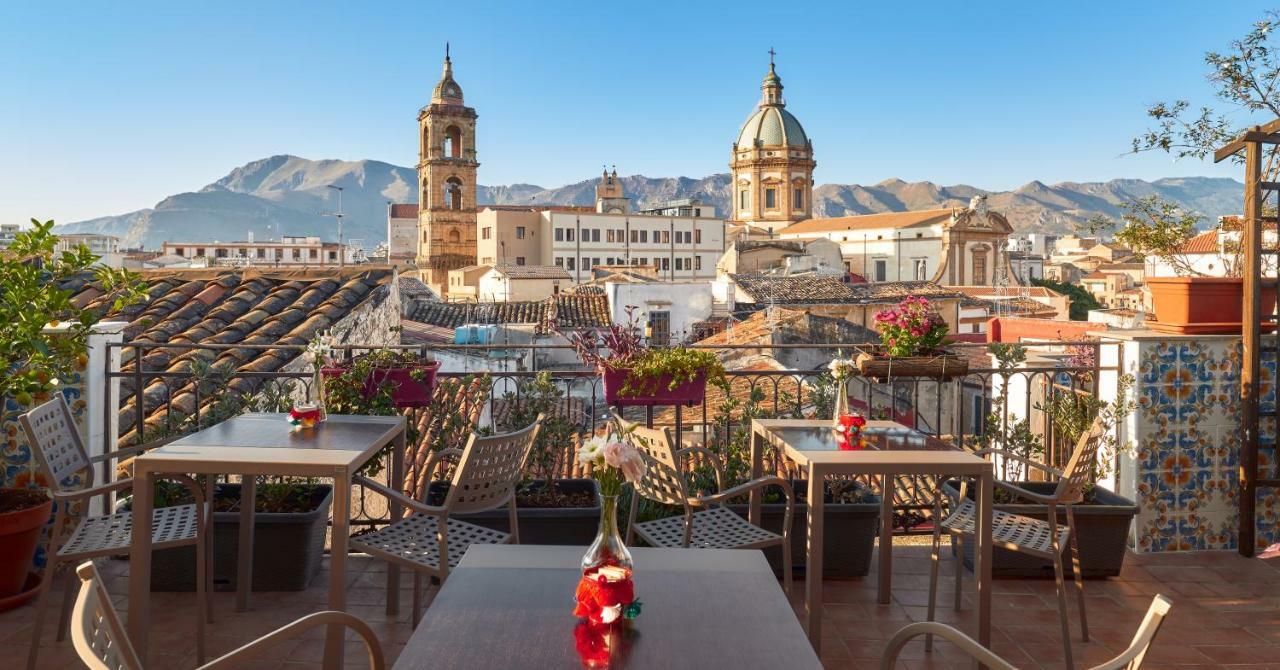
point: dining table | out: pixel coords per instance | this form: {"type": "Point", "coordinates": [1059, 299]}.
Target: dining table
{"type": "Point", "coordinates": [511, 606]}
{"type": "Point", "coordinates": [890, 449]}
{"type": "Point", "coordinates": [253, 445]}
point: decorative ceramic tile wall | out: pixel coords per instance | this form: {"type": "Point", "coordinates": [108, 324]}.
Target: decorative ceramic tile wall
{"type": "Point", "coordinates": [1186, 444]}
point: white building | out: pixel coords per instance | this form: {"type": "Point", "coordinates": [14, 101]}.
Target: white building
{"type": "Point", "coordinates": [667, 311]}
{"type": "Point", "coordinates": [402, 233]}
{"type": "Point", "coordinates": [289, 251]}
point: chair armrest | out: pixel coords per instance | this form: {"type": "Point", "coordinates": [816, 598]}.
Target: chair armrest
{"type": "Point", "coordinates": [438, 457]}
{"type": "Point", "coordinates": [1029, 495]}
{"type": "Point", "coordinates": [703, 501]}
{"type": "Point", "coordinates": [710, 456]}
{"type": "Point", "coordinates": [965, 643]}
{"type": "Point", "coordinates": [396, 496]}
{"type": "Point", "coordinates": [71, 496]}
{"type": "Point", "coordinates": [236, 658]}
{"type": "Point", "coordinates": [1019, 459]}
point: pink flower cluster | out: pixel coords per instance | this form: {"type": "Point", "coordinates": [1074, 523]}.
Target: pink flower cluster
{"type": "Point", "coordinates": [913, 327]}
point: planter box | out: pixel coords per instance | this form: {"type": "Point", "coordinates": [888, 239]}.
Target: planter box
{"type": "Point", "coordinates": [941, 367]}
{"type": "Point", "coordinates": [287, 548]}
{"type": "Point", "coordinates": [1202, 305]}
{"type": "Point", "coordinates": [405, 391]}
{"type": "Point", "coordinates": [572, 526]}
{"type": "Point", "coordinates": [849, 529]}
{"type": "Point", "coordinates": [689, 393]}
{"type": "Point", "coordinates": [1103, 534]}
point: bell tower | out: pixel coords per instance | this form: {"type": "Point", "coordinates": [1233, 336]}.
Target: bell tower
{"type": "Point", "coordinates": [446, 183]}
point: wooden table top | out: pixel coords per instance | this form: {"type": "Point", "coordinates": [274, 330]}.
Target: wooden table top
{"type": "Point", "coordinates": [510, 606]}
{"type": "Point", "coordinates": [895, 448]}
{"type": "Point", "coordinates": [266, 444]}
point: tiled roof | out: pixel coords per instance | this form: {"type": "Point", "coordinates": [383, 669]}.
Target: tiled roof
{"type": "Point", "coordinates": [565, 310]}
{"type": "Point", "coordinates": [412, 287]}
{"type": "Point", "coordinates": [1204, 243]}
{"type": "Point", "coordinates": [870, 221]}
{"type": "Point", "coordinates": [225, 307]}
{"type": "Point", "coordinates": [404, 211]}
{"type": "Point", "coordinates": [533, 271]}
{"type": "Point", "coordinates": [823, 289]}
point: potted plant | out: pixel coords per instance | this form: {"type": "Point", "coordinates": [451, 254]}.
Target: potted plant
{"type": "Point", "coordinates": [912, 335]}
{"type": "Point", "coordinates": [44, 342]}
{"type": "Point", "coordinates": [634, 373]}
{"type": "Point", "coordinates": [1103, 518]}
{"type": "Point", "coordinates": [1202, 291]}
{"type": "Point", "coordinates": [23, 515]}
{"type": "Point", "coordinates": [552, 509]}
{"type": "Point", "coordinates": [409, 376]}
{"type": "Point", "coordinates": [290, 520]}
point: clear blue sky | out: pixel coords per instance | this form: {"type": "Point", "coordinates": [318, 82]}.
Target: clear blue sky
{"type": "Point", "coordinates": [109, 107]}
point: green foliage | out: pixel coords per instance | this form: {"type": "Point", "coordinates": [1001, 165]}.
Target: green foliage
{"type": "Point", "coordinates": [647, 368]}
{"type": "Point", "coordinates": [1081, 300]}
{"type": "Point", "coordinates": [540, 395]}
{"type": "Point", "coordinates": [31, 299]}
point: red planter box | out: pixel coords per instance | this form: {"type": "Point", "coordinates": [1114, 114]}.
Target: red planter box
{"type": "Point", "coordinates": [688, 393]}
{"type": "Point", "coordinates": [406, 391]}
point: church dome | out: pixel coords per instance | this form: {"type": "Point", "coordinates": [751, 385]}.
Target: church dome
{"type": "Point", "coordinates": [772, 125]}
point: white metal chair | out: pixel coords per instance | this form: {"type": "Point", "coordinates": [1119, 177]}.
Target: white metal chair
{"type": "Point", "coordinates": [76, 536]}
{"type": "Point", "coordinates": [706, 522]}
{"type": "Point", "coordinates": [1130, 659]}
{"type": "Point", "coordinates": [1034, 537]}
{"type": "Point", "coordinates": [102, 644]}
{"type": "Point", "coordinates": [488, 470]}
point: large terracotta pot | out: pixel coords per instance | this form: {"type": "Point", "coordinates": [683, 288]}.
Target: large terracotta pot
{"type": "Point", "coordinates": [1201, 305]}
{"type": "Point", "coordinates": [19, 535]}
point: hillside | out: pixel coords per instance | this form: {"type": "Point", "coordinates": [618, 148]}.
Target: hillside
{"type": "Point", "coordinates": [287, 195]}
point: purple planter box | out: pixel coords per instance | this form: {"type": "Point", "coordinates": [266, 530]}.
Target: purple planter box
{"type": "Point", "coordinates": [689, 393]}
{"type": "Point", "coordinates": [405, 391]}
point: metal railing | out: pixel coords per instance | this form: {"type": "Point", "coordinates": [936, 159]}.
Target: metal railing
{"type": "Point", "coordinates": [172, 389]}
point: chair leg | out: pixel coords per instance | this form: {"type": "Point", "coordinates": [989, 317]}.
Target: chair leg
{"type": "Point", "coordinates": [417, 598]}
{"type": "Point", "coordinates": [957, 543]}
{"type": "Point", "coordinates": [934, 558]}
{"type": "Point", "coordinates": [1062, 607]}
{"type": "Point", "coordinates": [40, 604]}
{"type": "Point", "coordinates": [1078, 571]}
{"type": "Point", "coordinates": [70, 584]}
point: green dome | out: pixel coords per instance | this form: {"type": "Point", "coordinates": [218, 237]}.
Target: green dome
{"type": "Point", "coordinates": [772, 126]}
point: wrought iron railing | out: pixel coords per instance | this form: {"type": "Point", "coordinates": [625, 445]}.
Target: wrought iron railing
{"type": "Point", "coordinates": [170, 389]}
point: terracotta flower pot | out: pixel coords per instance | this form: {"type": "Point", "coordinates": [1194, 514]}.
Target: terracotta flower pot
{"type": "Point", "coordinates": [688, 393]}
{"type": "Point", "coordinates": [1201, 305]}
{"type": "Point", "coordinates": [19, 535]}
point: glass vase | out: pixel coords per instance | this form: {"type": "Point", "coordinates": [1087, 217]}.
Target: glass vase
{"type": "Point", "coordinates": [607, 550]}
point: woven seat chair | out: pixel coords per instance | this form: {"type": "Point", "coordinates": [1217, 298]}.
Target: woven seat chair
{"type": "Point", "coordinates": [1044, 539]}
{"type": "Point", "coordinates": [706, 522]}
{"type": "Point", "coordinates": [101, 643]}
{"type": "Point", "coordinates": [1129, 659]}
{"type": "Point", "coordinates": [488, 470]}
{"type": "Point", "coordinates": [75, 536]}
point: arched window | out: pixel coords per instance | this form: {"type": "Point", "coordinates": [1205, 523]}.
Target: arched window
{"type": "Point", "coordinates": [455, 237]}
{"type": "Point", "coordinates": [452, 142]}
{"type": "Point", "coordinates": [453, 193]}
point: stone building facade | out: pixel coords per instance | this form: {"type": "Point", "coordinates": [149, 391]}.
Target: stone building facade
{"type": "Point", "coordinates": [447, 183]}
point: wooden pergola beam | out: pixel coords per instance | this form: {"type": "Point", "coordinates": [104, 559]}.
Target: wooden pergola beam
{"type": "Point", "coordinates": [1264, 134]}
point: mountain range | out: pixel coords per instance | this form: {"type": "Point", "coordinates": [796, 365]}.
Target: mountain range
{"type": "Point", "coordinates": [288, 195]}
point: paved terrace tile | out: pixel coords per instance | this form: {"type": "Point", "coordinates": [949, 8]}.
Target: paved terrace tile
{"type": "Point", "coordinates": [1226, 614]}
